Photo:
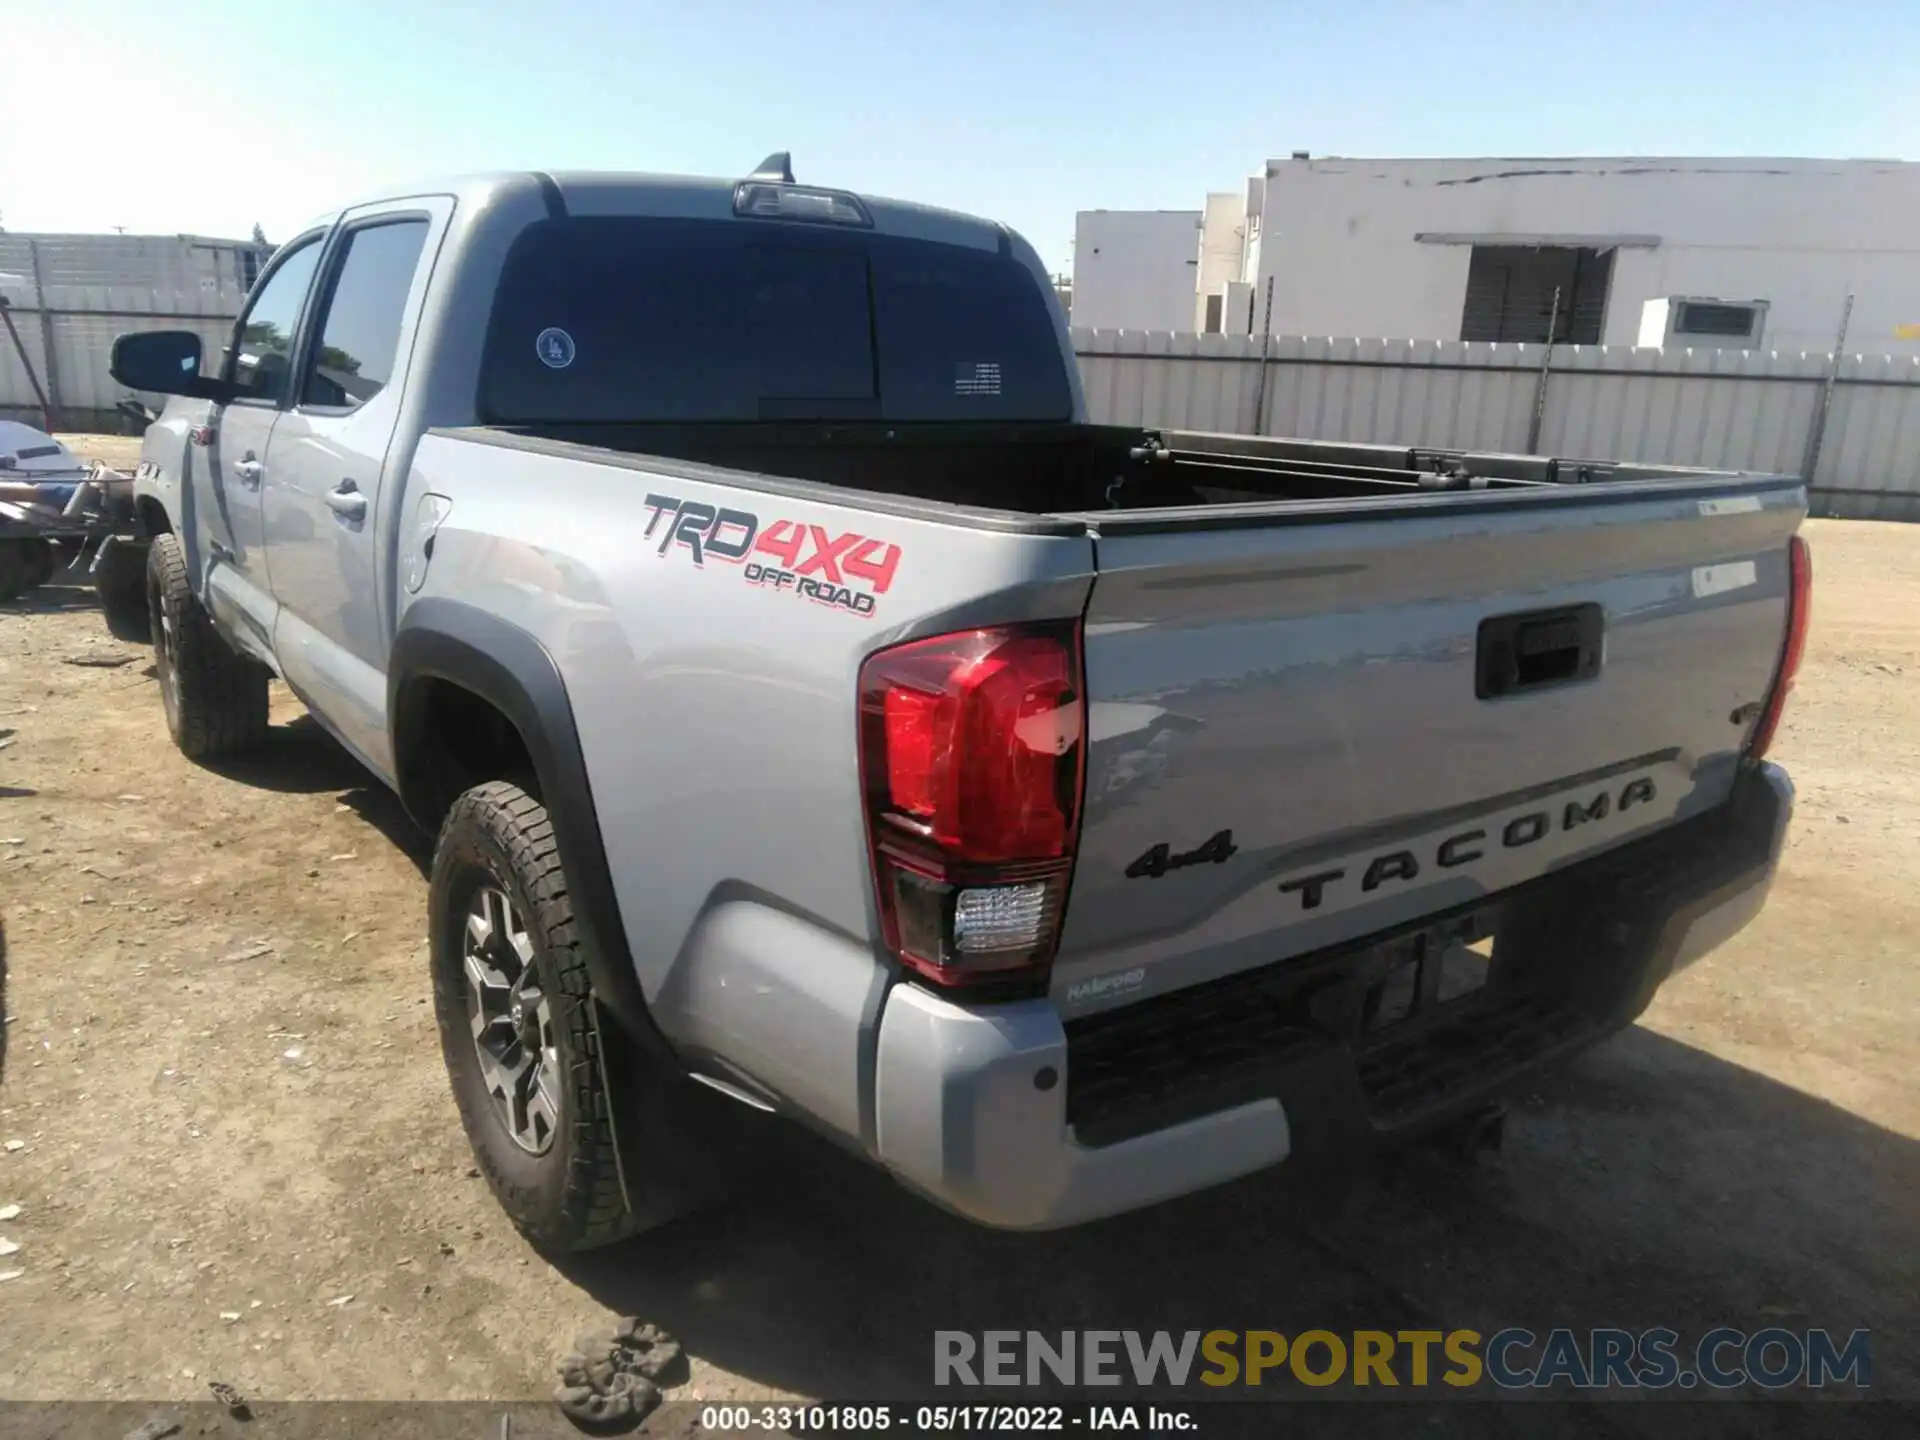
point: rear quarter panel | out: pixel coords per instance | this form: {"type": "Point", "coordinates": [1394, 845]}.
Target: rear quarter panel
{"type": "Point", "coordinates": [717, 716]}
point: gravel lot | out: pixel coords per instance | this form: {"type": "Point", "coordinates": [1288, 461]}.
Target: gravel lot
{"type": "Point", "coordinates": [240, 1161]}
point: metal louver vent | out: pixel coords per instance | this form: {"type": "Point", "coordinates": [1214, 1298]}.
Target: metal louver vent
{"type": "Point", "coordinates": [1510, 294]}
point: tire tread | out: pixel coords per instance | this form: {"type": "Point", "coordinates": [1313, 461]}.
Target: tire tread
{"type": "Point", "coordinates": [593, 1210]}
{"type": "Point", "coordinates": [222, 695]}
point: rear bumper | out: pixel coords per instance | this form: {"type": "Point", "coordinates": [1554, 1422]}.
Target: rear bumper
{"type": "Point", "coordinates": [1009, 1117]}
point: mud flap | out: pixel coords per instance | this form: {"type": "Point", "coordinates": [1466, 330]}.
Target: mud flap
{"type": "Point", "coordinates": [1333, 1155]}
{"type": "Point", "coordinates": [679, 1145]}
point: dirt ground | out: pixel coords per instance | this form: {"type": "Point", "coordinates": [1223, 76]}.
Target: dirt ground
{"type": "Point", "coordinates": [239, 1160]}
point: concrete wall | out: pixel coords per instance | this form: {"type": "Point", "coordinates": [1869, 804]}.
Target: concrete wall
{"type": "Point", "coordinates": [1135, 268]}
{"type": "Point", "coordinates": [1338, 236]}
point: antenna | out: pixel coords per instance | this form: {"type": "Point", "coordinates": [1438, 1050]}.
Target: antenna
{"type": "Point", "coordinates": [777, 166]}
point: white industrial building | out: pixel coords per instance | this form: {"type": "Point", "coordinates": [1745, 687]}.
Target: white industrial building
{"type": "Point", "coordinates": [68, 296]}
{"type": "Point", "coordinates": [1727, 254]}
{"type": "Point", "coordinates": [1134, 269]}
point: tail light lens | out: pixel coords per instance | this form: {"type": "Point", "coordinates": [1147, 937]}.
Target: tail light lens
{"type": "Point", "coordinates": [1799, 612]}
{"type": "Point", "coordinates": [971, 751]}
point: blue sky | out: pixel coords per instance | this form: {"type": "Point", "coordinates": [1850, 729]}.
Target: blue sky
{"type": "Point", "coordinates": [205, 115]}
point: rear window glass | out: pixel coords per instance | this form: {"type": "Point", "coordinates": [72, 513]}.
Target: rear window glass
{"type": "Point", "coordinates": [604, 321]}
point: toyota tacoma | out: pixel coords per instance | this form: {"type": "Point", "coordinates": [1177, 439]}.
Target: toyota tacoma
{"type": "Point", "coordinates": [818, 716]}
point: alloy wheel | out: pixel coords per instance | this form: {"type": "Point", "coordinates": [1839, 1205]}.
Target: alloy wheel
{"type": "Point", "coordinates": [511, 1020]}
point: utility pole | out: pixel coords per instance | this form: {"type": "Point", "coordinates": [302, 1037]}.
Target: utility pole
{"type": "Point", "coordinates": [1266, 344]}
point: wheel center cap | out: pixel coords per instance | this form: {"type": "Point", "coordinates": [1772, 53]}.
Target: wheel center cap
{"type": "Point", "coordinates": [525, 1020]}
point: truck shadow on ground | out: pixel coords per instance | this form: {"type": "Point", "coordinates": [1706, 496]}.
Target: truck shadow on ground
{"type": "Point", "coordinates": [298, 758]}
{"type": "Point", "coordinates": [1647, 1184]}
{"type": "Point", "coordinates": [301, 758]}
{"type": "Point", "coordinates": [73, 590]}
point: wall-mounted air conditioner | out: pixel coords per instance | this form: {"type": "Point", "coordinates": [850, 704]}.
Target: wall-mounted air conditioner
{"type": "Point", "coordinates": [1693, 322]}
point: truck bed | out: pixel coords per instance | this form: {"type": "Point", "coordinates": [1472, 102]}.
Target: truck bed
{"type": "Point", "coordinates": [1331, 688]}
{"type": "Point", "coordinates": [1054, 469]}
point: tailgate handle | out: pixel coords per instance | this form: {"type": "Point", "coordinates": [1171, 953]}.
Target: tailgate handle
{"type": "Point", "coordinates": [1537, 650]}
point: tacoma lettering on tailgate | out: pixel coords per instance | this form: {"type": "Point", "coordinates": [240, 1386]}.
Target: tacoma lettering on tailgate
{"type": "Point", "coordinates": [1464, 847]}
{"type": "Point", "coordinates": [844, 572]}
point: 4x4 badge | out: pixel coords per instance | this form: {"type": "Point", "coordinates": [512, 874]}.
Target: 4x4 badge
{"type": "Point", "coordinates": [1160, 859]}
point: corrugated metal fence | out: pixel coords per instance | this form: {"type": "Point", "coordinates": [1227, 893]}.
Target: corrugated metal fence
{"type": "Point", "coordinates": [69, 295]}
{"type": "Point", "coordinates": [1741, 410]}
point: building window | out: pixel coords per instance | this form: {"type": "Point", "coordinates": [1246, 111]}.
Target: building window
{"type": "Point", "coordinates": [1214, 305]}
{"type": "Point", "coordinates": [1510, 294]}
{"type": "Point", "coordinates": [1700, 317]}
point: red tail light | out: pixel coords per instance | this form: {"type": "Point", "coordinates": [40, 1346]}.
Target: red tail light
{"type": "Point", "coordinates": [971, 750]}
{"type": "Point", "coordinates": [1799, 612]}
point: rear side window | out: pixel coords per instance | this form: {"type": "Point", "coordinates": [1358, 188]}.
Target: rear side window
{"type": "Point", "coordinates": [360, 326]}
{"type": "Point", "coordinates": [604, 321]}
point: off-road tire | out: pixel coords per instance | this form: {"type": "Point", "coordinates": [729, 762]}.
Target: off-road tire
{"type": "Point", "coordinates": [215, 698]}
{"type": "Point", "coordinates": [120, 582]}
{"type": "Point", "coordinates": [16, 569]}
{"type": "Point", "coordinates": [42, 563]}
{"type": "Point", "coordinates": [570, 1197]}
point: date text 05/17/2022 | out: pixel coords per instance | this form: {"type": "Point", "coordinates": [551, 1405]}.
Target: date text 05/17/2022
{"type": "Point", "coordinates": [942, 1419]}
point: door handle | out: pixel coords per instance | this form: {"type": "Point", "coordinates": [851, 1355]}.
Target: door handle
{"type": "Point", "coordinates": [346, 501]}
{"type": "Point", "coordinates": [250, 472]}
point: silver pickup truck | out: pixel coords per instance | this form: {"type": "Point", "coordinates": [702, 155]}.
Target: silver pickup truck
{"type": "Point", "coordinates": [818, 716]}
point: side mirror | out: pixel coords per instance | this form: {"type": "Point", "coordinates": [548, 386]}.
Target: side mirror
{"type": "Point", "coordinates": [163, 362]}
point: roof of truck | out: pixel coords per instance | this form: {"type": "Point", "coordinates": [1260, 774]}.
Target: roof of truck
{"type": "Point", "coordinates": [592, 192]}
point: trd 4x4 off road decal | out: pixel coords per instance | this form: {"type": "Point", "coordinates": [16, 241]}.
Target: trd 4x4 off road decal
{"type": "Point", "coordinates": [844, 571]}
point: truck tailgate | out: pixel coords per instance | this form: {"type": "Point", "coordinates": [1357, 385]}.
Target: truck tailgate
{"type": "Point", "coordinates": [1309, 726]}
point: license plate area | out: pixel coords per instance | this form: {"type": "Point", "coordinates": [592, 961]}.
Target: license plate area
{"type": "Point", "coordinates": [1422, 972]}
{"type": "Point", "coordinates": [1406, 980]}
{"type": "Point", "coordinates": [1142, 1067]}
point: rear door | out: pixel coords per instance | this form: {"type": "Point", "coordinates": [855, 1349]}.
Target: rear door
{"type": "Point", "coordinates": [324, 521]}
{"type": "Point", "coordinates": [1308, 729]}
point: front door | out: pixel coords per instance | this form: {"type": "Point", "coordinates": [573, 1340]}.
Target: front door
{"type": "Point", "coordinates": [226, 522]}
{"type": "Point", "coordinates": [326, 525]}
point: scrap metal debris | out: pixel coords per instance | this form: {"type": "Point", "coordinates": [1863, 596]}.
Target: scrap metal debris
{"type": "Point", "coordinates": [611, 1381]}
